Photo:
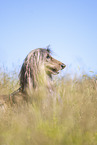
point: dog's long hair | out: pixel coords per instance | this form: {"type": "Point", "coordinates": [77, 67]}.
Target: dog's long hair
{"type": "Point", "coordinates": [36, 71]}
{"type": "Point", "coordinates": [38, 62]}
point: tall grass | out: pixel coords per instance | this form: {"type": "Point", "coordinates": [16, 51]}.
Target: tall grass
{"type": "Point", "coordinates": [71, 120]}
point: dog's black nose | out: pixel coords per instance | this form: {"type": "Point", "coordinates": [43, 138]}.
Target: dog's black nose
{"type": "Point", "coordinates": [63, 65]}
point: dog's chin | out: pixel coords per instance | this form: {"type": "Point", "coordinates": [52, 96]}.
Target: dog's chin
{"type": "Point", "coordinates": [55, 72]}
{"type": "Point", "coordinates": [52, 72]}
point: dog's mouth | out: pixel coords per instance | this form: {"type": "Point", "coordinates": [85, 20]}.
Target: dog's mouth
{"type": "Point", "coordinates": [53, 71]}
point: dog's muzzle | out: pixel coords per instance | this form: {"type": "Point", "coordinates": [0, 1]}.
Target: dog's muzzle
{"type": "Point", "coordinates": [63, 66]}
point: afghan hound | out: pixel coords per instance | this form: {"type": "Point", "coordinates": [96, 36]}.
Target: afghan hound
{"type": "Point", "coordinates": [37, 70]}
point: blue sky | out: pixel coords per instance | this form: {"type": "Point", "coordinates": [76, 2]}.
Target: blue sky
{"type": "Point", "coordinates": [69, 26]}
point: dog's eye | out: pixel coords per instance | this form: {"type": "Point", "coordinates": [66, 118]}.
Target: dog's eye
{"type": "Point", "coordinates": [48, 56]}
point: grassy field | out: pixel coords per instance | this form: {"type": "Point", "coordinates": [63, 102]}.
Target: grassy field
{"type": "Point", "coordinates": [71, 120]}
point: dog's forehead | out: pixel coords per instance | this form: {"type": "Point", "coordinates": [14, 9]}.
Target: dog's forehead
{"type": "Point", "coordinates": [45, 51]}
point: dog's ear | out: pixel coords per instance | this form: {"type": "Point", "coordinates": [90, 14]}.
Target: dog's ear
{"type": "Point", "coordinates": [48, 49]}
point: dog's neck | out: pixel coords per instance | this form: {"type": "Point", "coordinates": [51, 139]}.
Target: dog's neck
{"type": "Point", "coordinates": [41, 80]}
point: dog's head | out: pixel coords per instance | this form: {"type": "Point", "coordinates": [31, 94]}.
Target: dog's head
{"type": "Point", "coordinates": [52, 65]}
{"type": "Point", "coordinates": [31, 68]}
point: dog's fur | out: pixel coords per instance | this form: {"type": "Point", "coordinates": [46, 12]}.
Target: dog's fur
{"type": "Point", "coordinates": [37, 70]}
